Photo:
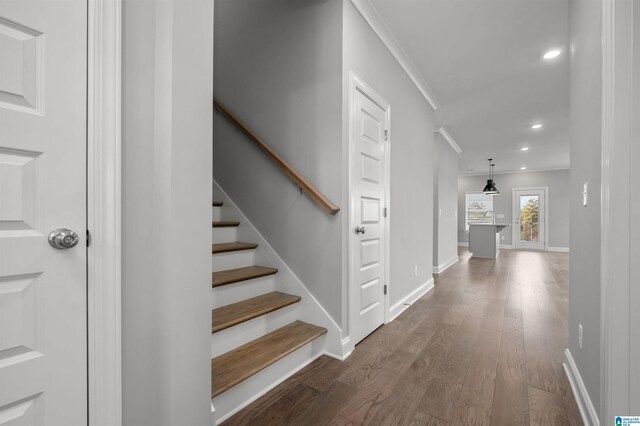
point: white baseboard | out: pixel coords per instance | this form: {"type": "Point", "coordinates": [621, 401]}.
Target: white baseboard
{"type": "Point", "coordinates": [463, 244]}
{"type": "Point", "coordinates": [444, 266]}
{"type": "Point", "coordinates": [559, 249]}
{"type": "Point", "coordinates": [587, 410]}
{"type": "Point", "coordinates": [506, 247]}
{"type": "Point", "coordinates": [409, 299]}
{"type": "Point", "coordinates": [347, 350]}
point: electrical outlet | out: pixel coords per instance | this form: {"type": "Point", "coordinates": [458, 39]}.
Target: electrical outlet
{"type": "Point", "coordinates": [580, 333]}
{"type": "Point", "coordinates": [455, 213]}
{"type": "Point", "coordinates": [415, 270]}
{"type": "Point", "coordinates": [502, 237]}
{"type": "Point", "coordinates": [585, 194]}
{"type": "Point", "coordinates": [440, 212]}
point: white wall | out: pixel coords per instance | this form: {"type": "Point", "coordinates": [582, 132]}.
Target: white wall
{"type": "Point", "coordinates": [278, 68]}
{"type": "Point", "coordinates": [557, 210]}
{"type": "Point", "coordinates": [586, 134]}
{"type": "Point", "coordinates": [411, 202]}
{"type": "Point", "coordinates": [445, 218]}
{"type": "Point", "coordinates": [166, 216]}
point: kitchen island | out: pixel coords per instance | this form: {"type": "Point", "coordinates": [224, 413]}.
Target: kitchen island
{"type": "Point", "coordinates": [484, 239]}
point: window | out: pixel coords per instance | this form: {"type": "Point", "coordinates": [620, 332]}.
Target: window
{"type": "Point", "coordinates": [478, 204]}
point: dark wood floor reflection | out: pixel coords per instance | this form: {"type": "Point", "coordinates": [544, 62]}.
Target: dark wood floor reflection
{"type": "Point", "coordinates": [485, 347]}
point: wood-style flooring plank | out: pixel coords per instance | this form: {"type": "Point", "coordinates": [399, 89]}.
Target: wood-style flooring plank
{"type": "Point", "coordinates": [245, 310]}
{"type": "Point", "coordinates": [510, 399]}
{"type": "Point", "coordinates": [229, 247]}
{"type": "Point", "coordinates": [236, 275]}
{"type": "Point", "coordinates": [233, 367]}
{"type": "Point", "coordinates": [476, 398]}
{"type": "Point", "coordinates": [225, 224]}
{"type": "Point", "coordinates": [546, 408]}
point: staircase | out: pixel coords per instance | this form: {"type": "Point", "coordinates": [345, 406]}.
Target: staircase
{"type": "Point", "coordinates": [258, 339]}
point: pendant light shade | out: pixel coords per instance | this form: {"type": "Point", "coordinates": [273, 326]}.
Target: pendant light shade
{"type": "Point", "coordinates": [490, 187]}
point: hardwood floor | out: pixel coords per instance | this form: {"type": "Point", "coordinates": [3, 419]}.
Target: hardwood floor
{"type": "Point", "coordinates": [485, 347]}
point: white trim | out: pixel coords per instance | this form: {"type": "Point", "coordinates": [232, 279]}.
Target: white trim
{"type": "Point", "coordinates": [104, 212]}
{"type": "Point", "coordinates": [513, 172]}
{"type": "Point", "coordinates": [404, 303]}
{"type": "Point", "coordinates": [356, 83]}
{"type": "Point", "coordinates": [446, 265]}
{"type": "Point", "coordinates": [545, 212]}
{"type": "Point", "coordinates": [618, 77]}
{"type": "Point", "coordinates": [461, 244]}
{"type": "Point", "coordinates": [382, 30]}
{"type": "Point", "coordinates": [347, 350]}
{"type": "Point", "coordinates": [558, 249]}
{"type": "Point", "coordinates": [587, 410]}
{"type": "Point", "coordinates": [506, 247]}
{"type": "Point", "coordinates": [447, 137]}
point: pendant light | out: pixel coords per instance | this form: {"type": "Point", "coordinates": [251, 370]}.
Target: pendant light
{"type": "Point", "coordinates": [490, 187]}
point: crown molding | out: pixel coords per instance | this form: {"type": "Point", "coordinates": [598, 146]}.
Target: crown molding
{"type": "Point", "coordinates": [447, 137]}
{"type": "Point", "coordinates": [513, 172]}
{"type": "Point", "coordinates": [380, 27]}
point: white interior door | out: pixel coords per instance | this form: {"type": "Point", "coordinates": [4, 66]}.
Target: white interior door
{"type": "Point", "coordinates": [529, 219]}
{"type": "Point", "coordinates": [368, 179]}
{"type": "Point", "coordinates": [43, 314]}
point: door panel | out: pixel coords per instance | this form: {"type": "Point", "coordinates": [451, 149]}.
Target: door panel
{"type": "Point", "coordinates": [43, 347]}
{"type": "Point", "coordinates": [368, 179]}
{"type": "Point", "coordinates": [529, 220]}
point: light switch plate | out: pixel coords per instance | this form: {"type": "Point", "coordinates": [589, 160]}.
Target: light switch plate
{"type": "Point", "coordinates": [500, 216]}
{"type": "Point", "coordinates": [585, 194]}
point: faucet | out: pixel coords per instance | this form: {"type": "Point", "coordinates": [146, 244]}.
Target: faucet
{"type": "Point", "coordinates": [493, 216]}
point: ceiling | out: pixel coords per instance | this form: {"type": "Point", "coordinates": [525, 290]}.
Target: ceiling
{"type": "Point", "coordinates": [483, 61]}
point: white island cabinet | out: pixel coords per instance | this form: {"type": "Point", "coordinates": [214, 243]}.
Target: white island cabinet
{"type": "Point", "coordinates": [484, 239]}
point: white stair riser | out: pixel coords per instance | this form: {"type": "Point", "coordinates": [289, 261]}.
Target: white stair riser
{"type": "Point", "coordinates": [232, 260]}
{"type": "Point", "coordinates": [217, 213]}
{"type": "Point", "coordinates": [230, 402]}
{"type": "Point", "coordinates": [237, 292]}
{"type": "Point", "coordinates": [224, 235]}
{"type": "Point", "coordinates": [229, 339]}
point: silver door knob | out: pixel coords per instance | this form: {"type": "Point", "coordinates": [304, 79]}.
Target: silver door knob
{"type": "Point", "coordinates": [360, 230]}
{"type": "Point", "coordinates": [63, 238]}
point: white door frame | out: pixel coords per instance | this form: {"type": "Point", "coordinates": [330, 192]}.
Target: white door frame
{"type": "Point", "coordinates": [104, 212]}
{"type": "Point", "coordinates": [545, 212]}
{"type": "Point", "coordinates": [355, 83]}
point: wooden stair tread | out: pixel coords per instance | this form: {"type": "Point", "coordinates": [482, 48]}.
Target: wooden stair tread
{"type": "Point", "coordinates": [217, 204]}
{"type": "Point", "coordinates": [225, 224]}
{"type": "Point", "coordinates": [236, 313]}
{"type": "Point", "coordinates": [233, 367]}
{"type": "Point", "coordinates": [231, 276]}
{"type": "Point", "coordinates": [227, 247]}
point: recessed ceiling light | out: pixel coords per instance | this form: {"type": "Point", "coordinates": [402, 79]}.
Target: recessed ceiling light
{"type": "Point", "coordinates": [551, 54]}
{"type": "Point", "coordinates": [526, 148]}
{"type": "Point", "coordinates": [523, 168]}
{"type": "Point", "coordinates": [536, 126]}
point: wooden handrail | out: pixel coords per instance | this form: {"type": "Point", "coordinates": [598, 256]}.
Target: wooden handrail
{"type": "Point", "coordinates": [293, 174]}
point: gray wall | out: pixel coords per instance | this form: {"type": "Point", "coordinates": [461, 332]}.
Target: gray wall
{"type": "Point", "coordinates": [278, 68]}
{"type": "Point", "coordinates": [411, 203]}
{"type": "Point", "coordinates": [445, 220]}
{"type": "Point", "coordinates": [586, 118]}
{"type": "Point", "coordinates": [558, 208]}
{"type": "Point", "coordinates": [166, 212]}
